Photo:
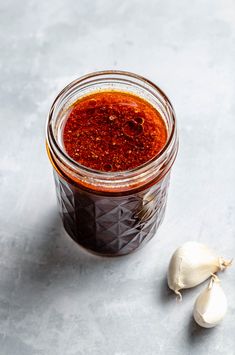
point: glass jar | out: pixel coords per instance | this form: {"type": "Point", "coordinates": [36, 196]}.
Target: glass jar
{"type": "Point", "coordinates": [111, 213]}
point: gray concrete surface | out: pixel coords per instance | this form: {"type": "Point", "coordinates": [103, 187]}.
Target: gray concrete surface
{"type": "Point", "coordinates": [54, 298]}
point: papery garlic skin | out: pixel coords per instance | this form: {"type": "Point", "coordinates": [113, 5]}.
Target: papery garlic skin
{"type": "Point", "coordinates": [191, 264]}
{"type": "Point", "coordinates": [211, 305]}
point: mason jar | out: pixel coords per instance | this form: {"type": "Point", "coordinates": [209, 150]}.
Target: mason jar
{"type": "Point", "coordinates": [111, 213]}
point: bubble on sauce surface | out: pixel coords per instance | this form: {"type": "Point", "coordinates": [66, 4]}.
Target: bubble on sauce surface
{"type": "Point", "coordinates": [132, 129]}
{"type": "Point", "coordinates": [107, 167]}
{"type": "Point", "coordinates": [112, 118]}
{"type": "Point", "coordinates": [139, 120]}
{"type": "Point", "coordinates": [92, 102]}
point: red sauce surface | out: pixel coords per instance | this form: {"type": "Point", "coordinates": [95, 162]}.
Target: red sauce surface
{"type": "Point", "coordinates": [113, 131]}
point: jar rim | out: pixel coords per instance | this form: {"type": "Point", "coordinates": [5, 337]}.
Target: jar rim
{"type": "Point", "coordinates": [75, 166]}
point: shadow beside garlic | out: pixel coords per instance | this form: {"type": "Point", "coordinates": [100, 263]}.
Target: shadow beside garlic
{"type": "Point", "coordinates": [195, 333]}
{"type": "Point", "coordinates": [165, 294]}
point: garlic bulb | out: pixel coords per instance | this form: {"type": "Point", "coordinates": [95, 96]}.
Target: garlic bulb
{"type": "Point", "coordinates": [191, 264]}
{"type": "Point", "coordinates": [211, 305]}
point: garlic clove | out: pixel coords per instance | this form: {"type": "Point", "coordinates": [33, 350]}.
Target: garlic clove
{"type": "Point", "coordinates": [211, 305]}
{"type": "Point", "coordinates": [191, 264]}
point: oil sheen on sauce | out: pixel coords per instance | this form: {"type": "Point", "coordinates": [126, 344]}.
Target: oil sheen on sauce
{"type": "Point", "coordinates": [113, 131]}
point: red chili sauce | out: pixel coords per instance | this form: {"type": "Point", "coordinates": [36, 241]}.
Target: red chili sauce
{"type": "Point", "coordinates": [113, 131]}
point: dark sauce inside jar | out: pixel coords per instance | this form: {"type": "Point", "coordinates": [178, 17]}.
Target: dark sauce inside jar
{"type": "Point", "coordinates": [112, 131]}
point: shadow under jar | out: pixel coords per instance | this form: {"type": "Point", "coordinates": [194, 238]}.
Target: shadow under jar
{"type": "Point", "coordinates": [111, 213]}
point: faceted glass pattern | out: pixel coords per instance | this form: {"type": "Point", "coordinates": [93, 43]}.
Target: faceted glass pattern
{"type": "Point", "coordinates": [111, 225]}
